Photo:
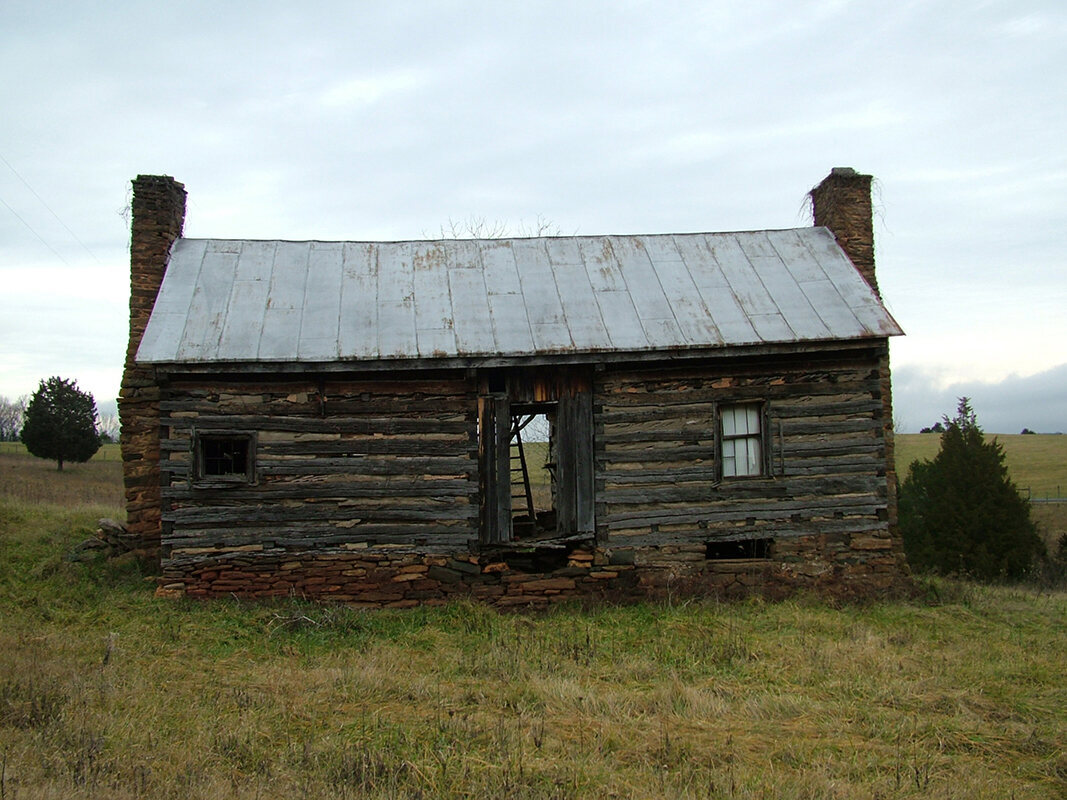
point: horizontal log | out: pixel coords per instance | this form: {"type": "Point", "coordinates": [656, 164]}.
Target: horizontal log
{"type": "Point", "coordinates": [779, 531]}
{"type": "Point", "coordinates": [246, 515]}
{"type": "Point", "coordinates": [456, 424]}
{"type": "Point", "coordinates": [438, 491]}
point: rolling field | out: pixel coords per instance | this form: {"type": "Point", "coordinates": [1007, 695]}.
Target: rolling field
{"type": "Point", "coordinates": [1037, 462]}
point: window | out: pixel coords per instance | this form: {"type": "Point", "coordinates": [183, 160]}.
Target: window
{"type": "Point", "coordinates": [225, 458]}
{"type": "Point", "coordinates": [742, 440]}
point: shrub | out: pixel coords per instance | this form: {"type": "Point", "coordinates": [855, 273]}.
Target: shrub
{"type": "Point", "coordinates": [961, 513]}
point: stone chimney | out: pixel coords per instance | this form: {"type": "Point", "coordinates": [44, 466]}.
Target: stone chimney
{"type": "Point", "coordinates": [842, 203]}
{"type": "Point", "coordinates": [158, 216]}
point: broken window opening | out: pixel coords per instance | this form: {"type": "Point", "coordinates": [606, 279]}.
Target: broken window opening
{"type": "Point", "coordinates": [744, 548]}
{"type": "Point", "coordinates": [224, 458]}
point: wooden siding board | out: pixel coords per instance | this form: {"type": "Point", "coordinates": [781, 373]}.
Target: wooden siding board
{"type": "Point", "coordinates": [656, 469]}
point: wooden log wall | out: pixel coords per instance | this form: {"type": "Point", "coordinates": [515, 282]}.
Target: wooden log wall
{"type": "Point", "coordinates": [825, 497]}
{"type": "Point", "coordinates": [338, 464]}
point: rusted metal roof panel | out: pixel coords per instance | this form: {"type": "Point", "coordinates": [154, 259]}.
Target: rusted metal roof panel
{"type": "Point", "coordinates": [314, 302]}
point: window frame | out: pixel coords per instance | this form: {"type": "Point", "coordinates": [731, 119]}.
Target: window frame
{"type": "Point", "coordinates": [760, 436]}
{"type": "Point", "coordinates": [202, 479]}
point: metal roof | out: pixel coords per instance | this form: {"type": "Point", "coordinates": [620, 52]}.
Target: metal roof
{"type": "Point", "coordinates": [279, 301]}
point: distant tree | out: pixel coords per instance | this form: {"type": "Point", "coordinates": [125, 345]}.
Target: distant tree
{"type": "Point", "coordinates": [961, 513]}
{"type": "Point", "coordinates": [11, 412]}
{"type": "Point", "coordinates": [60, 423]}
{"type": "Point", "coordinates": [1027, 432]}
{"type": "Point", "coordinates": [475, 227]}
{"type": "Point", "coordinates": [937, 427]}
{"type": "Point", "coordinates": [108, 425]}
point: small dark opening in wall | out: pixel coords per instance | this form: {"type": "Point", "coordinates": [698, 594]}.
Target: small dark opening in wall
{"type": "Point", "coordinates": [226, 457]}
{"type": "Point", "coordinates": [745, 548]}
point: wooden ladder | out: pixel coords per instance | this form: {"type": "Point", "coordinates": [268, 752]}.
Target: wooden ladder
{"type": "Point", "coordinates": [520, 479]}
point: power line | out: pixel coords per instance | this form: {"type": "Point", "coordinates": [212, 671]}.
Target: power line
{"type": "Point", "coordinates": [53, 213]}
{"type": "Point", "coordinates": [35, 233]}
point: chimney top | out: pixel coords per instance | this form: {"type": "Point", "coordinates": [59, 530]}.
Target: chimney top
{"type": "Point", "coordinates": [842, 202]}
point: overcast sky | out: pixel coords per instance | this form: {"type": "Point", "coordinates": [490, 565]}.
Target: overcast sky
{"type": "Point", "coordinates": [360, 120]}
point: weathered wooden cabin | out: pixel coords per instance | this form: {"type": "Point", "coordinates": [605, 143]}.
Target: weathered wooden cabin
{"type": "Point", "coordinates": [348, 420]}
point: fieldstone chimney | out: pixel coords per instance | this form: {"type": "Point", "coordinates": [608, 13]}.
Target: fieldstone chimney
{"type": "Point", "coordinates": [842, 203]}
{"type": "Point", "coordinates": [158, 216]}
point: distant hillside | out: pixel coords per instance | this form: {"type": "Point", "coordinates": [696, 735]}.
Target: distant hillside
{"type": "Point", "coordinates": [1036, 462]}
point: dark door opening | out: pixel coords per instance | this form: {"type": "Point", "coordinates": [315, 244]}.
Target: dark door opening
{"type": "Point", "coordinates": [536, 466]}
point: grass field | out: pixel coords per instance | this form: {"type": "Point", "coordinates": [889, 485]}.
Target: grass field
{"type": "Point", "coordinates": [1037, 463]}
{"type": "Point", "coordinates": [106, 691]}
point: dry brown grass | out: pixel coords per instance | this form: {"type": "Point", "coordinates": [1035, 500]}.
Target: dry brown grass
{"type": "Point", "coordinates": [35, 481]}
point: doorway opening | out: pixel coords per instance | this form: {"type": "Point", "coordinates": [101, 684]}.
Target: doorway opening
{"type": "Point", "coordinates": [533, 471]}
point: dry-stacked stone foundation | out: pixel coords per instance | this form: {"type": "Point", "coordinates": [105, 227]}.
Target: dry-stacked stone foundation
{"type": "Point", "coordinates": [840, 566]}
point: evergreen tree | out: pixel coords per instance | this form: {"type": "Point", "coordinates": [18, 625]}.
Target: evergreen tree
{"type": "Point", "coordinates": [60, 423]}
{"type": "Point", "coordinates": [961, 513]}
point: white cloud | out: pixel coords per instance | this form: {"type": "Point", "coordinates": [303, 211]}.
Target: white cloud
{"type": "Point", "coordinates": [365, 90]}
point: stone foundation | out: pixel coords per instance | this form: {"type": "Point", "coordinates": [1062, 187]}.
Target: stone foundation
{"type": "Point", "coordinates": [857, 567]}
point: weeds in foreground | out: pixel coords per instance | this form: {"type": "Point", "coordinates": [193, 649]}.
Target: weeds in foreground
{"type": "Point", "coordinates": [106, 691]}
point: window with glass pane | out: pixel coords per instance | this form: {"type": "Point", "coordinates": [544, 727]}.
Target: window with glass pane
{"type": "Point", "coordinates": [742, 440]}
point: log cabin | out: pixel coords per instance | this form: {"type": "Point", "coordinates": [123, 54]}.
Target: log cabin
{"type": "Point", "coordinates": [351, 421]}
